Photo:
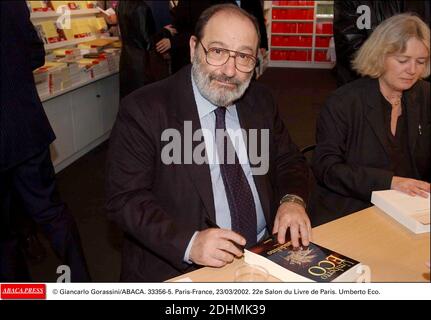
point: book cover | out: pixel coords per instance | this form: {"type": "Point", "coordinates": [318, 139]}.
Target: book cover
{"type": "Point", "coordinates": [411, 212]}
{"type": "Point", "coordinates": [313, 263]}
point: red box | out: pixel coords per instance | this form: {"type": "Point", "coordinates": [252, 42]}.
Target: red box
{"type": "Point", "coordinates": [322, 42]}
{"type": "Point", "coordinates": [277, 27]}
{"type": "Point", "coordinates": [328, 28]}
{"type": "Point", "coordinates": [305, 27]}
{"type": "Point", "coordinates": [23, 291]}
{"type": "Point", "coordinates": [320, 55]}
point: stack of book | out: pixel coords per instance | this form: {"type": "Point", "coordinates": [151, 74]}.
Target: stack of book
{"type": "Point", "coordinates": [411, 212]}
{"type": "Point", "coordinates": [113, 58]}
{"type": "Point", "coordinates": [42, 83]}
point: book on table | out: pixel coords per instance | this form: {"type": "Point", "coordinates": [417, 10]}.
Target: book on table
{"type": "Point", "coordinates": [306, 264]}
{"type": "Point", "coordinates": [411, 212]}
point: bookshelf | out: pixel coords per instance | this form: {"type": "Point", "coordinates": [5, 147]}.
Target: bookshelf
{"type": "Point", "coordinates": [299, 33]}
{"type": "Point", "coordinates": [80, 99]}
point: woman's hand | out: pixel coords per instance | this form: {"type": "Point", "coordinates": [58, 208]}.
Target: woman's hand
{"type": "Point", "coordinates": [163, 45]}
{"type": "Point", "coordinates": [411, 186]}
{"type": "Point", "coordinates": [171, 29]}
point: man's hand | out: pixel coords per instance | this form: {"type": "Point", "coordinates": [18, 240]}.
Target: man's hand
{"type": "Point", "coordinates": [215, 247]}
{"type": "Point", "coordinates": [411, 186]}
{"type": "Point", "coordinates": [292, 215]}
{"type": "Point", "coordinates": [163, 45]}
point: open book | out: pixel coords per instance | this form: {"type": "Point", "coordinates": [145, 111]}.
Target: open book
{"type": "Point", "coordinates": [314, 263]}
{"type": "Point", "coordinates": [412, 212]}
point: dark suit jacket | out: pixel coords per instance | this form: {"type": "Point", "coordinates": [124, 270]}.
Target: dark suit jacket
{"type": "Point", "coordinates": [160, 206]}
{"type": "Point", "coordinates": [24, 127]}
{"type": "Point", "coordinates": [351, 158]}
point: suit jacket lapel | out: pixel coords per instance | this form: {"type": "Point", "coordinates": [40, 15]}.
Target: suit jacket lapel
{"type": "Point", "coordinates": [249, 119]}
{"type": "Point", "coordinates": [186, 110]}
{"type": "Point", "coordinates": [374, 114]}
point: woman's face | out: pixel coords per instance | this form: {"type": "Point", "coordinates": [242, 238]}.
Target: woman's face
{"type": "Point", "coordinates": [402, 70]}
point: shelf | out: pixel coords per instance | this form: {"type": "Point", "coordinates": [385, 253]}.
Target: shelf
{"type": "Point", "coordinates": [324, 16]}
{"type": "Point", "coordinates": [291, 34]}
{"type": "Point", "coordinates": [51, 14]}
{"type": "Point", "coordinates": [293, 20]}
{"type": "Point", "coordinates": [63, 44]}
{"type": "Point", "coordinates": [76, 86]}
{"type": "Point", "coordinates": [325, 2]}
{"type": "Point", "coordinates": [292, 7]}
{"type": "Point", "coordinates": [324, 35]}
{"type": "Point", "coordinates": [321, 48]}
{"type": "Point", "coordinates": [290, 48]}
{"type": "Point", "coordinates": [301, 64]}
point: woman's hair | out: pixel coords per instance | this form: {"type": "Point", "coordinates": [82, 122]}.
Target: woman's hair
{"type": "Point", "coordinates": [391, 37]}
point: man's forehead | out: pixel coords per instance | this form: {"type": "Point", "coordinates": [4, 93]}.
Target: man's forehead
{"type": "Point", "coordinates": [225, 27]}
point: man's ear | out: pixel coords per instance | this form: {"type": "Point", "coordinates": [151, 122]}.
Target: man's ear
{"type": "Point", "coordinates": [193, 42]}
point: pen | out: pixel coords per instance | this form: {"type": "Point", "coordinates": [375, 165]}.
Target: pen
{"type": "Point", "coordinates": [212, 224]}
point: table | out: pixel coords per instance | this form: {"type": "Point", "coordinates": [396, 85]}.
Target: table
{"type": "Point", "coordinates": [393, 253]}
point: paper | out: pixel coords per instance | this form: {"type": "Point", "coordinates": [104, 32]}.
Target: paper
{"type": "Point", "coordinates": [108, 12]}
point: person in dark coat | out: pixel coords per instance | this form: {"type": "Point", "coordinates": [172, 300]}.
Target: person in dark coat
{"type": "Point", "coordinates": [374, 133]}
{"type": "Point", "coordinates": [26, 170]}
{"type": "Point", "coordinates": [137, 29]}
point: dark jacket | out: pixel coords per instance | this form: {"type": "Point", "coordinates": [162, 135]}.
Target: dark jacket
{"type": "Point", "coordinates": [349, 38]}
{"type": "Point", "coordinates": [137, 30]}
{"type": "Point", "coordinates": [351, 158]}
{"type": "Point", "coordinates": [161, 206]}
{"type": "Point", "coordinates": [24, 127]}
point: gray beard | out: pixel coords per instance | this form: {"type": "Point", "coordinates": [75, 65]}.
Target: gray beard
{"type": "Point", "coordinates": [218, 97]}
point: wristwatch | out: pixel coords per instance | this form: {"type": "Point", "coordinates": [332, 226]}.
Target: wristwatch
{"type": "Point", "coordinates": [293, 198]}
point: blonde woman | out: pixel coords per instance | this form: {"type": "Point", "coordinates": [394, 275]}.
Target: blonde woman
{"type": "Point", "coordinates": [374, 133]}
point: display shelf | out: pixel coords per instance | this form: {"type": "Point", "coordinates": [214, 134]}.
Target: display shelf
{"type": "Point", "coordinates": [63, 44]}
{"type": "Point", "coordinates": [292, 34]}
{"type": "Point", "coordinates": [68, 43]}
{"type": "Point", "coordinates": [292, 7]}
{"type": "Point", "coordinates": [324, 16]}
{"type": "Point", "coordinates": [292, 20]}
{"type": "Point", "coordinates": [76, 86]}
{"type": "Point", "coordinates": [291, 48]}
{"type": "Point", "coordinates": [52, 14]}
{"type": "Point", "coordinates": [291, 23]}
{"type": "Point", "coordinates": [82, 119]}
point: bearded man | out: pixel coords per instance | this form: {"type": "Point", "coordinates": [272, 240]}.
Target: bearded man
{"type": "Point", "coordinates": [200, 164]}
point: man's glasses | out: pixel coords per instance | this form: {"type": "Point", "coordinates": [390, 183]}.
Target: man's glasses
{"type": "Point", "coordinates": [220, 56]}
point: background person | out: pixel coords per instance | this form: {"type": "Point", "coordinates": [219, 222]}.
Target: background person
{"type": "Point", "coordinates": [374, 133]}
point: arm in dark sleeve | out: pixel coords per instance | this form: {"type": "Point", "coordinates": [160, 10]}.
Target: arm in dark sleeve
{"type": "Point", "coordinates": [131, 166]}
{"type": "Point", "coordinates": [291, 166]}
{"type": "Point", "coordinates": [145, 24]}
{"type": "Point", "coordinates": [330, 166]}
